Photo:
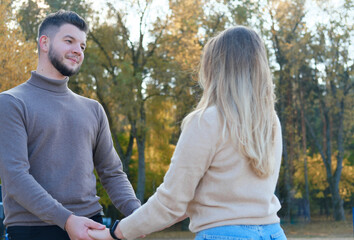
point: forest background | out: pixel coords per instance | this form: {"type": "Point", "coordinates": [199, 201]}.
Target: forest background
{"type": "Point", "coordinates": [141, 64]}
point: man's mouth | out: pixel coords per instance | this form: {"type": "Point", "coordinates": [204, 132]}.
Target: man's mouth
{"type": "Point", "coordinates": [74, 60]}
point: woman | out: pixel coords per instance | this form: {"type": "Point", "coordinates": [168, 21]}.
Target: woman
{"type": "Point", "coordinates": [224, 170]}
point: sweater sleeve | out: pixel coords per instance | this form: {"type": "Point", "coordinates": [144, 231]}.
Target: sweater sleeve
{"type": "Point", "coordinates": [192, 157]}
{"type": "Point", "coordinates": [20, 185]}
{"type": "Point", "coordinates": [109, 169]}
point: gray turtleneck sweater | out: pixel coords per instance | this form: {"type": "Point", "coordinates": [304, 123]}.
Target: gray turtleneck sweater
{"type": "Point", "coordinates": [51, 139]}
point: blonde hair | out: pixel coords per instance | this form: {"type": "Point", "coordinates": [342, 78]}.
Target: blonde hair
{"type": "Point", "coordinates": [235, 77]}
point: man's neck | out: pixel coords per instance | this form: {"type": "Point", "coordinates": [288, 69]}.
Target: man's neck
{"type": "Point", "coordinates": [49, 71]}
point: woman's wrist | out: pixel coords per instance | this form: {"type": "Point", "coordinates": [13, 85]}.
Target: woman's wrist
{"type": "Point", "coordinates": [118, 232]}
{"type": "Point", "coordinates": [112, 231]}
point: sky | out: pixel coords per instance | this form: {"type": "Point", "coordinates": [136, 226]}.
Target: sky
{"type": "Point", "coordinates": [157, 8]}
{"type": "Point", "coordinates": [160, 7]}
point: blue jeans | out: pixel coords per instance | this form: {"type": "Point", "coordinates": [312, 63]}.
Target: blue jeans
{"type": "Point", "coordinates": [243, 232]}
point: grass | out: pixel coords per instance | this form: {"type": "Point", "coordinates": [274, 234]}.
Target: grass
{"type": "Point", "coordinates": [318, 228]}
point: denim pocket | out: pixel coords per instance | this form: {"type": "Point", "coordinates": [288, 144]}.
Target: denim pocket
{"type": "Point", "coordinates": [278, 236]}
{"type": "Point", "coordinates": [220, 237]}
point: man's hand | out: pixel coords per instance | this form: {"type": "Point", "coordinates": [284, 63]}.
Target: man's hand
{"type": "Point", "coordinates": [77, 227]}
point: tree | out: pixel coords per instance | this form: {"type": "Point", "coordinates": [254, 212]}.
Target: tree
{"type": "Point", "coordinates": [159, 64]}
{"type": "Point", "coordinates": [286, 32]}
{"type": "Point", "coordinates": [147, 82]}
{"type": "Point", "coordinates": [120, 74]}
{"type": "Point", "coordinates": [18, 57]}
{"type": "Point", "coordinates": [160, 119]}
{"type": "Point", "coordinates": [192, 23]}
{"type": "Point", "coordinates": [30, 15]}
{"type": "Point", "coordinates": [318, 179]}
{"type": "Point", "coordinates": [335, 96]}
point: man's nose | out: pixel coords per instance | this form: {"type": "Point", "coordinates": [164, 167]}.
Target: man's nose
{"type": "Point", "coordinates": [77, 49]}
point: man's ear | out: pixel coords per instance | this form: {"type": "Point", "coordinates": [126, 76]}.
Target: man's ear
{"type": "Point", "coordinates": [44, 43]}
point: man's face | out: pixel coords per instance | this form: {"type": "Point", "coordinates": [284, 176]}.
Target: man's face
{"type": "Point", "coordinates": [66, 49]}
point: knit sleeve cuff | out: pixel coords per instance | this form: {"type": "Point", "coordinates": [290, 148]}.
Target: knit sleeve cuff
{"type": "Point", "coordinates": [62, 217]}
{"type": "Point", "coordinates": [133, 205]}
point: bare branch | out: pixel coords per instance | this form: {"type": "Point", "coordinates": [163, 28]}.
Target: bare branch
{"type": "Point", "coordinates": [103, 50]}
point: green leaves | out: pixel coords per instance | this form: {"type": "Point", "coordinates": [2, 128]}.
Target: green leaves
{"type": "Point", "coordinates": [146, 78]}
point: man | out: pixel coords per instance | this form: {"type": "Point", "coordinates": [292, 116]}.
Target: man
{"type": "Point", "coordinates": [51, 139]}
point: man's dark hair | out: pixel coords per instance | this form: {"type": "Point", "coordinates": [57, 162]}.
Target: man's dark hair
{"type": "Point", "coordinates": [54, 21]}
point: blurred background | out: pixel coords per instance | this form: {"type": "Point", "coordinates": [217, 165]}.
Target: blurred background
{"type": "Point", "coordinates": [141, 64]}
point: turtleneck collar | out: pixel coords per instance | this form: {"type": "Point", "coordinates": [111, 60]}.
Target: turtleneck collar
{"type": "Point", "coordinates": [50, 84]}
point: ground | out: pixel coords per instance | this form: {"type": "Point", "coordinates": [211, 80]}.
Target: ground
{"type": "Point", "coordinates": [318, 228]}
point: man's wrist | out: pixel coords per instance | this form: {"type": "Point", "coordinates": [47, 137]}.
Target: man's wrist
{"type": "Point", "coordinates": [67, 221]}
{"type": "Point", "coordinates": [112, 229]}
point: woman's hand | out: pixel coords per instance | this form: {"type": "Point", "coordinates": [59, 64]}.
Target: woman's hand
{"type": "Point", "coordinates": [100, 234]}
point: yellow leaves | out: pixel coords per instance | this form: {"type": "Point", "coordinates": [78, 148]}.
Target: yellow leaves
{"type": "Point", "coordinates": [183, 33]}
{"type": "Point", "coordinates": [319, 195]}
{"type": "Point", "coordinates": [318, 178]}
{"type": "Point", "coordinates": [346, 185]}
{"type": "Point", "coordinates": [160, 119]}
{"type": "Point", "coordinates": [298, 195]}
{"type": "Point", "coordinates": [17, 57]}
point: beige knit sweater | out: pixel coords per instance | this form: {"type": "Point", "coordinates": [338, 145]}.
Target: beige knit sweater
{"type": "Point", "coordinates": [211, 182]}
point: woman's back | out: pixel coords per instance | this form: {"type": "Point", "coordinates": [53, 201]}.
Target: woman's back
{"type": "Point", "coordinates": [229, 193]}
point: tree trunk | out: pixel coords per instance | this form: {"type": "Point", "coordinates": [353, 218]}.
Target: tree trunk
{"type": "Point", "coordinates": [141, 169]}
{"type": "Point", "coordinates": [337, 202]}
{"type": "Point", "coordinates": [141, 137]}
{"type": "Point", "coordinates": [338, 210]}
{"type": "Point", "coordinates": [128, 154]}
{"type": "Point", "coordinates": [307, 213]}
{"type": "Point", "coordinates": [283, 88]}
{"type": "Point", "coordinates": [287, 185]}
{"type": "Point", "coordinates": [287, 182]}
{"type": "Point", "coordinates": [333, 180]}
{"type": "Point", "coordinates": [124, 156]}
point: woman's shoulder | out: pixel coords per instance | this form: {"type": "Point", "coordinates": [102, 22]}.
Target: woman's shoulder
{"type": "Point", "coordinates": [204, 118]}
{"type": "Point", "coordinates": [211, 115]}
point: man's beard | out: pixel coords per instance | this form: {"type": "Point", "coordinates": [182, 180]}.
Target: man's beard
{"type": "Point", "coordinates": [59, 65]}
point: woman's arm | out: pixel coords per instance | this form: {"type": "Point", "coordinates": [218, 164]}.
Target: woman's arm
{"type": "Point", "coordinates": [105, 235]}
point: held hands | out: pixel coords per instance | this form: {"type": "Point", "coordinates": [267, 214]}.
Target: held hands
{"type": "Point", "coordinates": [77, 227]}
{"type": "Point", "coordinates": [104, 234]}
{"type": "Point", "coordinates": [100, 234]}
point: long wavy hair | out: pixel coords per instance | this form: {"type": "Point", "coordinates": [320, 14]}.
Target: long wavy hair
{"type": "Point", "coordinates": [235, 77]}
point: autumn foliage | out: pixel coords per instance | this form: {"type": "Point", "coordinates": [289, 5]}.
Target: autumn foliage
{"type": "Point", "coordinates": [144, 73]}
{"type": "Point", "coordinates": [18, 57]}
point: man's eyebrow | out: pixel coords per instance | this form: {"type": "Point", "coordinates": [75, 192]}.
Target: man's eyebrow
{"type": "Point", "coordinates": [69, 36]}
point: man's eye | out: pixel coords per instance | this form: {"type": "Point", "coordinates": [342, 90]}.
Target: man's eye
{"type": "Point", "coordinates": [68, 41]}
